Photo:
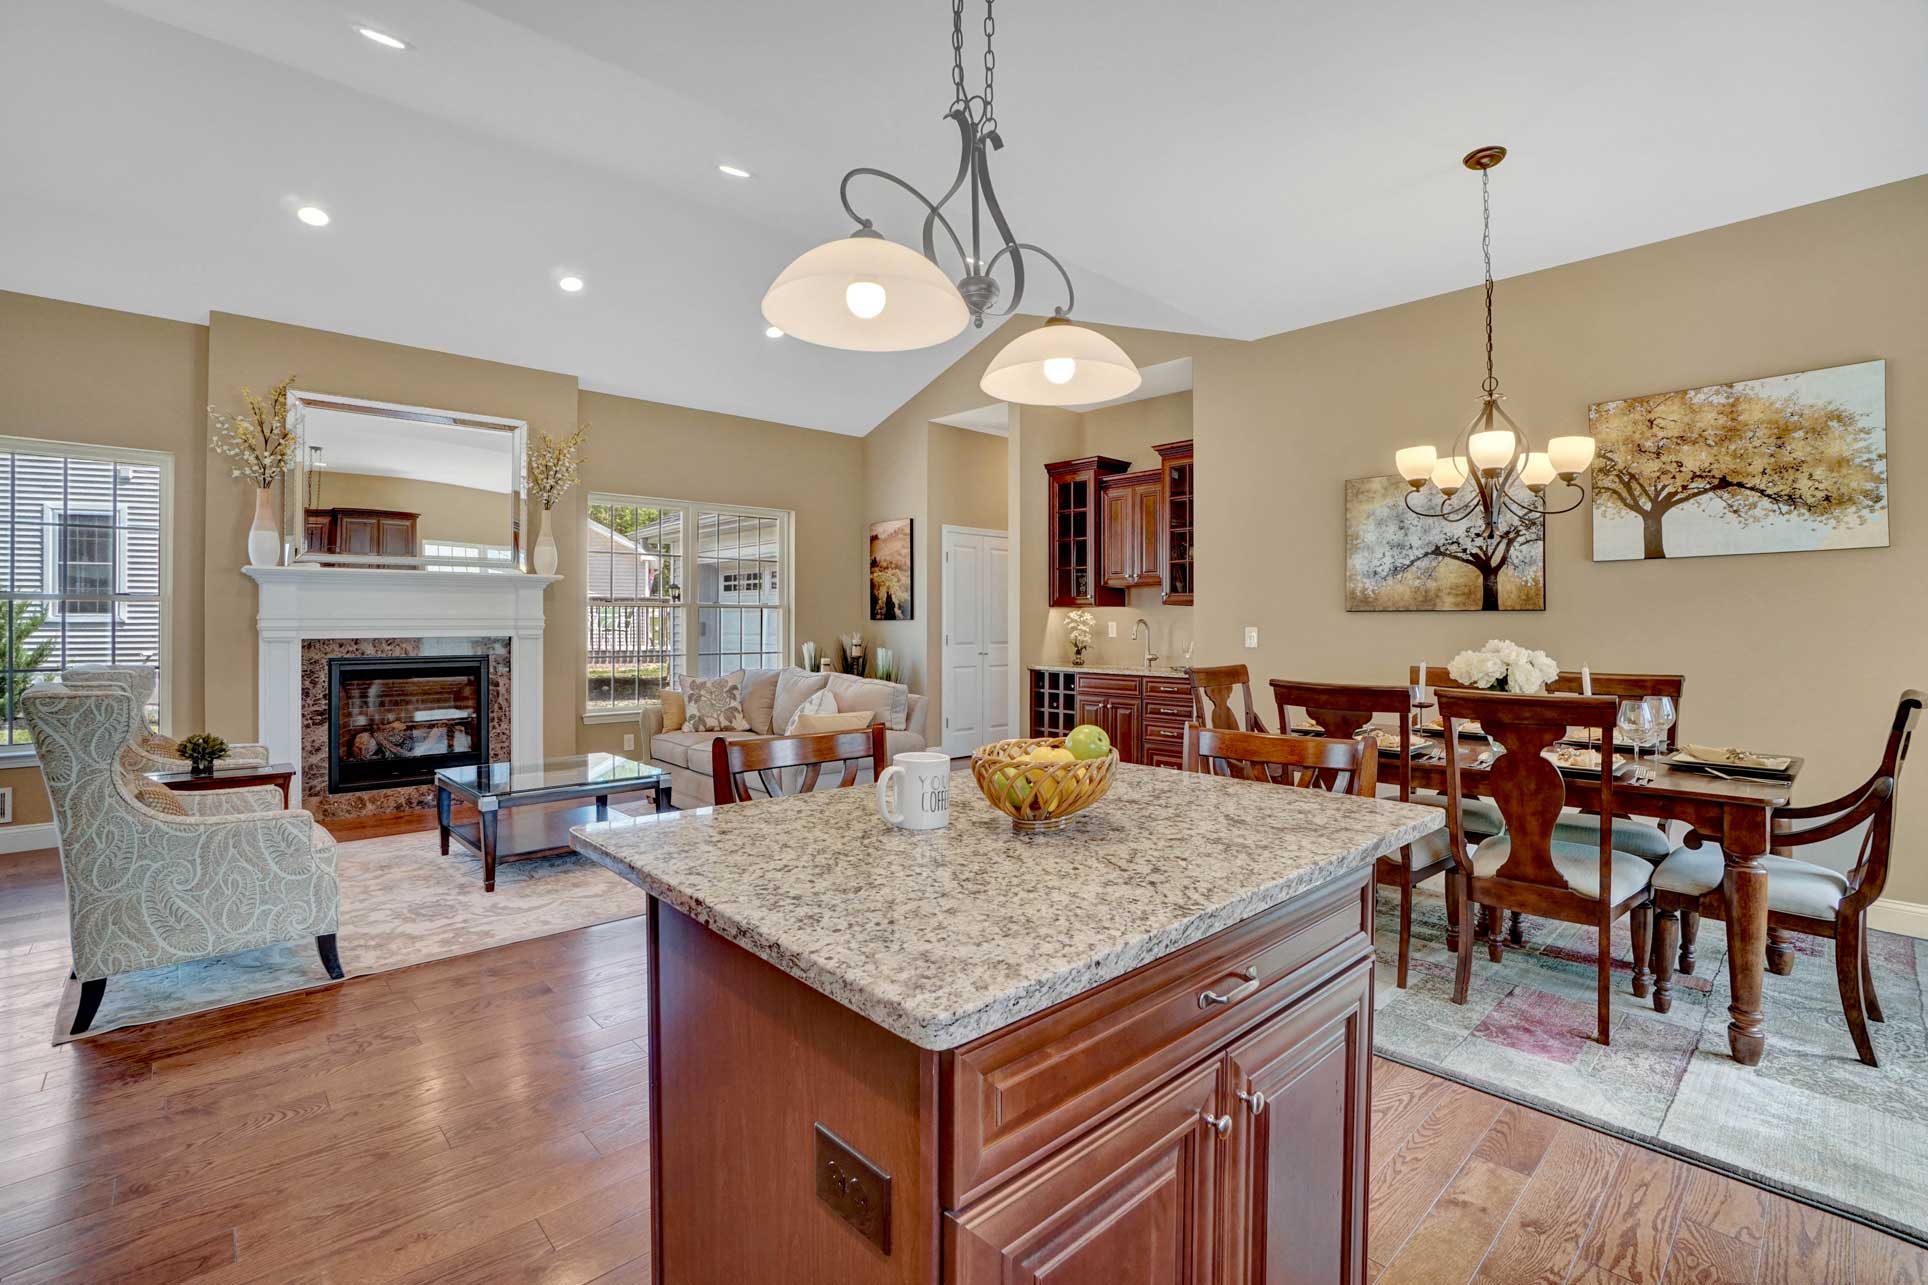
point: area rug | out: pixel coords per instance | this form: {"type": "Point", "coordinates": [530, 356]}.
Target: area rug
{"type": "Point", "coordinates": [402, 903]}
{"type": "Point", "coordinates": [1810, 1121]}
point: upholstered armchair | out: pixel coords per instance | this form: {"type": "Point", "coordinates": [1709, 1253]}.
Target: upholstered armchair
{"type": "Point", "coordinates": [147, 749]}
{"type": "Point", "coordinates": [156, 878]}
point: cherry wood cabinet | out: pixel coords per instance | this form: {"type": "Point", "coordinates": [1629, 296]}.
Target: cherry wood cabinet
{"type": "Point", "coordinates": [1117, 705]}
{"type": "Point", "coordinates": [1177, 504]}
{"type": "Point", "coordinates": [1132, 521]}
{"type": "Point", "coordinates": [1075, 519]}
{"type": "Point", "coordinates": [1145, 716]}
{"type": "Point", "coordinates": [388, 533]}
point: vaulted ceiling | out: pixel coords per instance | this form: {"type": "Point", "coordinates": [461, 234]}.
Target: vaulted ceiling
{"type": "Point", "coordinates": [1236, 168]}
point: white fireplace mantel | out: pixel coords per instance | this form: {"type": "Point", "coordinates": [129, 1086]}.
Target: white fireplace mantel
{"type": "Point", "coordinates": [302, 602]}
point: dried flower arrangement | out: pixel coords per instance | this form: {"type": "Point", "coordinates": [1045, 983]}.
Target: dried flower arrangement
{"type": "Point", "coordinates": [261, 441]}
{"type": "Point", "coordinates": [554, 466]}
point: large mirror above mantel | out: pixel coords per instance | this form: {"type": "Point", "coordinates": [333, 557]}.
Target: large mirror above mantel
{"type": "Point", "coordinates": [376, 484]}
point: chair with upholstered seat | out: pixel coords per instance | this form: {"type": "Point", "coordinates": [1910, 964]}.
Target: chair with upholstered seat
{"type": "Point", "coordinates": [1804, 897]}
{"type": "Point", "coordinates": [156, 878]}
{"type": "Point", "coordinates": [791, 764]}
{"type": "Point", "coordinates": [1642, 838]}
{"type": "Point", "coordinates": [147, 749]}
{"type": "Point", "coordinates": [1482, 818]}
{"type": "Point", "coordinates": [1344, 710]}
{"type": "Point", "coordinates": [1526, 869]}
{"type": "Point", "coordinates": [1212, 688]}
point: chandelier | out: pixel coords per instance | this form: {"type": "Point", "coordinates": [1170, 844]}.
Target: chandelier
{"type": "Point", "coordinates": [1492, 459]}
{"type": "Point", "coordinates": [869, 294]}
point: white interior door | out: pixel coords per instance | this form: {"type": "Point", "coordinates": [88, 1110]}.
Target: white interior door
{"type": "Point", "coordinates": [977, 644]}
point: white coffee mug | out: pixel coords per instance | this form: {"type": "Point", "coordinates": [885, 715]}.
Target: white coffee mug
{"type": "Point", "coordinates": [922, 794]}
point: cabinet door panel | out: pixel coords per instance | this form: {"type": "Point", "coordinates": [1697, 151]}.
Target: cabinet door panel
{"type": "Point", "coordinates": [1119, 539]}
{"type": "Point", "coordinates": [1148, 508]}
{"type": "Point", "coordinates": [1135, 1201]}
{"type": "Point", "coordinates": [356, 533]}
{"type": "Point", "coordinates": [1286, 1220]}
{"type": "Point", "coordinates": [398, 537]}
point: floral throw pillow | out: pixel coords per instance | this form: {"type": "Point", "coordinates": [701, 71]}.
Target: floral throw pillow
{"type": "Point", "coordinates": [714, 705]}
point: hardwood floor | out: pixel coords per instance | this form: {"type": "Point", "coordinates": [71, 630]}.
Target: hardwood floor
{"type": "Point", "coordinates": [483, 1119]}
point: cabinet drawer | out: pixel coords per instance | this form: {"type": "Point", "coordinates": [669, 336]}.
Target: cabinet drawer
{"type": "Point", "coordinates": [1107, 685]}
{"type": "Point", "coordinates": [1165, 734]}
{"type": "Point", "coordinates": [1163, 709]}
{"type": "Point", "coordinates": [1022, 1091]}
{"type": "Point", "coordinates": [1169, 689]}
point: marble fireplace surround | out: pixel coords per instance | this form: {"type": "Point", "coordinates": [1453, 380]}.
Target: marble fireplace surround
{"type": "Point", "coordinates": [299, 604]}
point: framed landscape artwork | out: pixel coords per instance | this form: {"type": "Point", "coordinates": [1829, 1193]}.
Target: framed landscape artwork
{"type": "Point", "coordinates": [1397, 560]}
{"type": "Point", "coordinates": [890, 570]}
{"type": "Point", "coordinates": [1779, 465]}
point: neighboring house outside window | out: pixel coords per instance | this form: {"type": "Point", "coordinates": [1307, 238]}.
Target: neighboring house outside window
{"type": "Point", "coordinates": [662, 606]}
{"type": "Point", "coordinates": [83, 570]}
{"type": "Point", "coordinates": [433, 548]}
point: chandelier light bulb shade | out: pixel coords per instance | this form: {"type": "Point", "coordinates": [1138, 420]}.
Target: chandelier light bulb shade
{"type": "Point", "coordinates": [1538, 471]}
{"type": "Point", "coordinates": [1094, 369]}
{"type": "Point", "coordinates": [1570, 456]}
{"type": "Point", "coordinates": [1450, 474]}
{"type": "Point", "coordinates": [1492, 450]}
{"type": "Point", "coordinates": [865, 294]}
{"type": "Point", "coordinates": [1415, 464]}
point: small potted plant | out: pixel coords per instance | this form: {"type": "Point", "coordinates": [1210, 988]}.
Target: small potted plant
{"type": "Point", "coordinates": [202, 750]}
{"type": "Point", "coordinates": [1077, 628]}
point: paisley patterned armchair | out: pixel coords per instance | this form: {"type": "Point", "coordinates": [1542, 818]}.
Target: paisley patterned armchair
{"type": "Point", "coordinates": [169, 878]}
{"type": "Point", "coordinates": [147, 749]}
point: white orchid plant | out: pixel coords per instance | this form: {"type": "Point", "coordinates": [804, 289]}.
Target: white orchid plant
{"type": "Point", "coordinates": [1505, 666]}
{"type": "Point", "coordinates": [1077, 629]}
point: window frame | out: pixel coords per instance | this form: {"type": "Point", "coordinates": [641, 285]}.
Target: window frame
{"type": "Point", "coordinates": [163, 463]}
{"type": "Point", "coordinates": [688, 601]}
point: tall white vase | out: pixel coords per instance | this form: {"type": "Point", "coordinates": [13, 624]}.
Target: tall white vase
{"type": "Point", "coordinates": [264, 534]}
{"type": "Point", "coordinates": [545, 550]}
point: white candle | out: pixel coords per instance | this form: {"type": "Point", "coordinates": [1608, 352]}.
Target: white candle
{"type": "Point", "coordinates": [1586, 681]}
{"type": "Point", "coordinates": [1422, 683]}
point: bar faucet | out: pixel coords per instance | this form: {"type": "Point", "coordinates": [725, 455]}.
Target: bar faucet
{"type": "Point", "coordinates": [1150, 655]}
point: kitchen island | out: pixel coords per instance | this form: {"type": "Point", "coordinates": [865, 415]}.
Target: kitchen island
{"type": "Point", "coordinates": [1134, 1049]}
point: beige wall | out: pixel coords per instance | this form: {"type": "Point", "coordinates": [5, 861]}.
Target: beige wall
{"type": "Point", "coordinates": [643, 448]}
{"type": "Point", "coordinates": [457, 514]}
{"type": "Point", "coordinates": [75, 374]}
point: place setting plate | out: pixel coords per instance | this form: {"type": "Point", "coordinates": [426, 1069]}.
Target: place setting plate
{"type": "Point", "coordinates": [1748, 771]}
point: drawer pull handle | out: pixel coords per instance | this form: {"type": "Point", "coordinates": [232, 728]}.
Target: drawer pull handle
{"type": "Point", "coordinates": [1255, 1099]}
{"type": "Point", "coordinates": [1251, 983]}
{"type": "Point", "coordinates": [1221, 1123]}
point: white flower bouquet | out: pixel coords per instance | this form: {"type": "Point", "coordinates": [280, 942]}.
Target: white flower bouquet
{"type": "Point", "coordinates": [1077, 628]}
{"type": "Point", "coordinates": [1505, 666]}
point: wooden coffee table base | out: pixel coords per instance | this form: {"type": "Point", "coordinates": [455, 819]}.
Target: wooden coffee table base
{"type": "Point", "coordinates": [504, 834]}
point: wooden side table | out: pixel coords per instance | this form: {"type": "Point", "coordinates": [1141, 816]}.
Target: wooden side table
{"type": "Point", "coordinates": [232, 777]}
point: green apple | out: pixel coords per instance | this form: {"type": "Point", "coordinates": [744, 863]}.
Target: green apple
{"type": "Point", "coordinates": [1088, 741]}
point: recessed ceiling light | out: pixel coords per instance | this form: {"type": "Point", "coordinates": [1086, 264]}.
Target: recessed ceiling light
{"type": "Point", "coordinates": [773, 332]}
{"type": "Point", "coordinates": [570, 284]}
{"type": "Point", "coordinates": [382, 38]}
{"type": "Point", "coordinates": [313, 215]}
{"type": "Point", "coordinates": [733, 171]}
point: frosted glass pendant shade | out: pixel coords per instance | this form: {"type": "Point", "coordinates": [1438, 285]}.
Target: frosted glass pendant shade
{"type": "Point", "coordinates": [1450, 474]}
{"type": "Point", "coordinates": [1538, 472]}
{"type": "Point", "coordinates": [1570, 455]}
{"type": "Point", "coordinates": [1491, 449]}
{"type": "Point", "coordinates": [865, 294]}
{"type": "Point", "coordinates": [1415, 463]}
{"type": "Point", "coordinates": [1060, 364]}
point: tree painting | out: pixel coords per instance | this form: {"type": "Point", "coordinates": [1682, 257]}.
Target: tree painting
{"type": "Point", "coordinates": [890, 570]}
{"type": "Point", "coordinates": [1397, 560]}
{"type": "Point", "coordinates": [1775, 465]}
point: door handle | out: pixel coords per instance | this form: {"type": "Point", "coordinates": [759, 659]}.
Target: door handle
{"type": "Point", "coordinates": [1239, 992]}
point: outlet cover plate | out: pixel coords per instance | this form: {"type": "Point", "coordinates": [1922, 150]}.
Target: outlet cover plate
{"type": "Point", "coordinates": [856, 1190]}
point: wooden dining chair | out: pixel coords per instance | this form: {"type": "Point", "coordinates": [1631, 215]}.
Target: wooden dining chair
{"type": "Point", "coordinates": [1345, 710]}
{"type": "Point", "coordinates": [732, 761]}
{"type": "Point", "coordinates": [1481, 816]}
{"type": "Point", "coordinates": [1212, 689]}
{"type": "Point", "coordinates": [1341, 765]}
{"type": "Point", "coordinates": [1802, 897]}
{"type": "Point", "coordinates": [1643, 839]}
{"type": "Point", "coordinates": [1526, 868]}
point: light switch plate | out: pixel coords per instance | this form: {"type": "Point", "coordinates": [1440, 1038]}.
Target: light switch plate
{"type": "Point", "coordinates": [629, 740]}
{"type": "Point", "coordinates": [1111, 629]}
{"type": "Point", "coordinates": [1251, 635]}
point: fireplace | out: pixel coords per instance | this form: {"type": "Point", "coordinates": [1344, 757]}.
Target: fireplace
{"type": "Point", "coordinates": [398, 720]}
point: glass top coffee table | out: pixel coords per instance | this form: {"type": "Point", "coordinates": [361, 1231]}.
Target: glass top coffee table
{"type": "Point", "coordinates": [504, 832]}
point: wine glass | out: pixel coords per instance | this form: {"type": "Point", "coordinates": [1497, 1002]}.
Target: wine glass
{"type": "Point", "coordinates": [1633, 723]}
{"type": "Point", "coordinates": [1664, 716]}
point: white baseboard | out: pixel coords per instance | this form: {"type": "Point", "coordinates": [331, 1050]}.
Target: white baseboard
{"type": "Point", "coordinates": [1909, 918]}
{"type": "Point", "coordinates": [30, 838]}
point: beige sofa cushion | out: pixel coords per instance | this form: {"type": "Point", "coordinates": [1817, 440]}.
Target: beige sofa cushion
{"type": "Point", "coordinates": [814, 724]}
{"type": "Point", "coordinates": [813, 707]}
{"type": "Point", "coordinates": [715, 704]}
{"type": "Point", "coordinates": [760, 699]}
{"type": "Point", "coordinates": [674, 711]}
{"type": "Point", "coordinates": [794, 687]}
{"type": "Point", "coordinates": [890, 701]}
{"type": "Point", "coordinates": [690, 749]}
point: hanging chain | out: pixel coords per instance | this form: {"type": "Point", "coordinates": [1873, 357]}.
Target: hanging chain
{"type": "Point", "coordinates": [986, 120]}
{"type": "Point", "coordinates": [990, 69]}
{"type": "Point", "coordinates": [1486, 251]}
{"type": "Point", "coordinates": [958, 97]}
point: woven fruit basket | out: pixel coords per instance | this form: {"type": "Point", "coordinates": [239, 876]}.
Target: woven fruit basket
{"type": "Point", "coordinates": [1039, 794]}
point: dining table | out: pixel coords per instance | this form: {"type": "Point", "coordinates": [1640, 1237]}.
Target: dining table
{"type": "Point", "coordinates": [1734, 811]}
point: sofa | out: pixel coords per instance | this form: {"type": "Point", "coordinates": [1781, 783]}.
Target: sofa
{"type": "Point", "coordinates": [686, 755]}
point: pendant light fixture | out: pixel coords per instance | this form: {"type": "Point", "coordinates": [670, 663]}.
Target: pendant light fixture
{"type": "Point", "coordinates": [1492, 456]}
{"type": "Point", "coordinates": [869, 294]}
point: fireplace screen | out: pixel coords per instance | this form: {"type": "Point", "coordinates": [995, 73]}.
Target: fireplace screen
{"type": "Point", "coordinates": [395, 722]}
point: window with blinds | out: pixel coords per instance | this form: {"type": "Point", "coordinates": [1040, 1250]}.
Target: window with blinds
{"type": "Point", "coordinates": [82, 552]}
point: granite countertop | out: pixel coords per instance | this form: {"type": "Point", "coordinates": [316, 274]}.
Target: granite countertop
{"type": "Point", "coordinates": [946, 935]}
{"type": "Point", "coordinates": [1129, 671]}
